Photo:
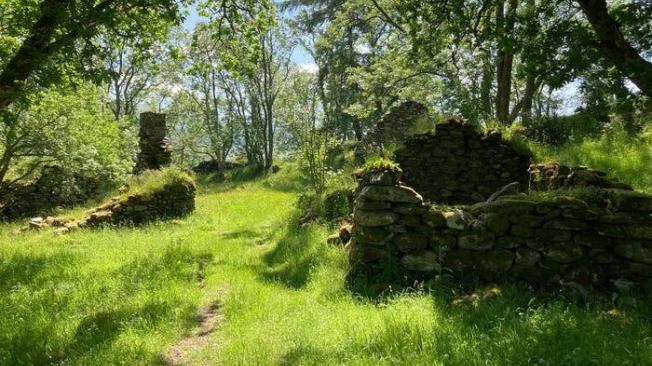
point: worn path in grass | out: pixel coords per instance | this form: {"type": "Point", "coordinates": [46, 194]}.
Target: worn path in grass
{"type": "Point", "coordinates": [268, 293]}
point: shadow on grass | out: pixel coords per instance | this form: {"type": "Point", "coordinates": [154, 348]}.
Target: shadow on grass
{"type": "Point", "coordinates": [292, 258]}
{"type": "Point", "coordinates": [41, 295]}
{"type": "Point", "coordinates": [22, 270]}
{"type": "Point", "coordinates": [509, 329]}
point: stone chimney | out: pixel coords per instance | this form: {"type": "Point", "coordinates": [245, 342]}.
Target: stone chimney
{"type": "Point", "coordinates": [155, 149]}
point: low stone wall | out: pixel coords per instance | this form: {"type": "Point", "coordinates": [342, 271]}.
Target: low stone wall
{"type": "Point", "coordinates": [554, 240]}
{"type": "Point", "coordinates": [53, 189]}
{"type": "Point", "coordinates": [459, 165]}
{"type": "Point", "coordinates": [171, 201]}
{"type": "Point", "coordinates": [554, 176]}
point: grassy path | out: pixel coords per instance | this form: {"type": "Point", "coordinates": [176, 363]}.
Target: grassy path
{"type": "Point", "coordinates": [129, 296]}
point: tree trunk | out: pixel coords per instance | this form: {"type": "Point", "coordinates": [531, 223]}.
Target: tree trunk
{"type": "Point", "coordinates": [615, 47]}
{"type": "Point", "coordinates": [485, 86]}
{"type": "Point", "coordinates": [504, 60]}
{"type": "Point", "coordinates": [34, 51]}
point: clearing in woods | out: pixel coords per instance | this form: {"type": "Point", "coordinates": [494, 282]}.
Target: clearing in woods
{"type": "Point", "coordinates": [269, 292]}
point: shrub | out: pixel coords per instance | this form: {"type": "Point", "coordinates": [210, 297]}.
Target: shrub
{"type": "Point", "coordinates": [380, 164]}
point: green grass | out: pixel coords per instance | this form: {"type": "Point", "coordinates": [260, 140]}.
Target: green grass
{"type": "Point", "coordinates": [622, 157]}
{"type": "Point", "coordinates": [151, 181]}
{"type": "Point", "coordinates": [125, 296]}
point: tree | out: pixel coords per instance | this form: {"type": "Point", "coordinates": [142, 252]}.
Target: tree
{"type": "Point", "coordinates": [615, 48]}
{"type": "Point", "coordinates": [68, 27]}
{"type": "Point", "coordinates": [66, 127]}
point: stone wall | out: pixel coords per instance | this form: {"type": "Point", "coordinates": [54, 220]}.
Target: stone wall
{"type": "Point", "coordinates": [517, 238]}
{"type": "Point", "coordinates": [155, 150]}
{"type": "Point", "coordinates": [52, 189]}
{"type": "Point", "coordinates": [174, 199]}
{"type": "Point", "coordinates": [459, 165]}
{"type": "Point", "coordinates": [554, 176]}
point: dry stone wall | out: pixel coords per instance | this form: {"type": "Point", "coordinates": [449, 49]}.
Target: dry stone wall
{"type": "Point", "coordinates": [173, 200]}
{"type": "Point", "coordinates": [554, 176]}
{"type": "Point", "coordinates": [556, 240]}
{"type": "Point", "coordinates": [155, 150]}
{"type": "Point", "coordinates": [459, 165]}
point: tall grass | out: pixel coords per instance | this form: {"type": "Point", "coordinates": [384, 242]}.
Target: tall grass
{"type": "Point", "coordinates": [125, 296]}
{"type": "Point", "coordinates": [622, 156]}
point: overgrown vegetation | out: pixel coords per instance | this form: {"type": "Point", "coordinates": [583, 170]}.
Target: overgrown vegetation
{"type": "Point", "coordinates": [131, 294]}
{"type": "Point", "coordinates": [152, 181]}
{"type": "Point", "coordinates": [621, 155]}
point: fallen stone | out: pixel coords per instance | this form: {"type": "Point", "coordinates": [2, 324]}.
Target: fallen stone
{"type": "Point", "coordinates": [398, 194]}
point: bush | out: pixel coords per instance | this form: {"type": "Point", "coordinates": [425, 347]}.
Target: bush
{"type": "Point", "coordinates": [338, 204]}
{"type": "Point", "coordinates": [559, 130]}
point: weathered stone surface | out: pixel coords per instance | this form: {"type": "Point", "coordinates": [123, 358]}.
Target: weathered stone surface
{"type": "Point", "coordinates": [460, 165]}
{"type": "Point", "coordinates": [398, 194]}
{"type": "Point", "coordinates": [443, 241]}
{"type": "Point", "coordinates": [592, 240]}
{"type": "Point", "coordinates": [461, 260]}
{"type": "Point", "coordinates": [510, 242]}
{"type": "Point", "coordinates": [455, 220]}
{"type": "Point", "coordinates": [509, 189]}
{"type": "Point", "coordinates": [155, 150]}
{"type": "Point", "coordinates": [521, 231]}
{"type": "Point", "coordinates": [384, 178]}
{"type": "Point", "coordinates": [527, 257]}
{"type": "Point", "coordinates": [371, 235]}
{"type": "Point", "coordinates": [366, 254]}
{"type": "Point", "coordinates": [410, 241]}
{"type": "Point", "coordinates": [543, 241]}
{"type": "Point", "coordinates": [476, 241]}
{"type": "Point", "coordinates": [563, 253]}
{"type": "Point", "coordinates": [625, 200]}
{"type": "Point", "coordinates": [433, 218]}
{"type": "Point", "coordinates": [554, 176]}
{"type": "Point", "coordinates": [635, 251]}
{"type": "Point", "coordinates": [172, 200]}
{"type": "Point", "coordinates": [409, 209]}
{"type": "Point", "coordinates": [504, 207]}
{"type": "Point", "coordinates": [374, 218]}
{"type": "Point", "coordinates": [409, 220]}
{"type": "Point", "coordinates": [527, 220]}
{"type": "Point", "coordinates": [497, 260]}
{"type": "Point", "coordinates": [639, 231]}
{"type": "Point", "coordinates": [627, 218]}
{"type": "Point", "coordinates": [428, 261]}
{"type": "Point", "coordinates": [372, 205]}
{"type": "Point", "coordinates": [566, 224]}
{"type": "Point", "coordinates": [498, 224]}
{"type": "Point", "coordinates": [640, 269]}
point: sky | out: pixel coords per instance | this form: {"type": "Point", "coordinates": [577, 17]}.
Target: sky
{"type": "Point", "coordinates": [299, 56]}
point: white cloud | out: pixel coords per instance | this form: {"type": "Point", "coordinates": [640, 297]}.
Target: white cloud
{"type": "Point", "coordinates": [311, 68]}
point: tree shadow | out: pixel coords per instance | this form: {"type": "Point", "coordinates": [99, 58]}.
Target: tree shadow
{"type": "Point", "coordinates": [511, 328]}
{"type": "Point", "coordinates": [32, 270]}
{"type": "Point", "coordinates": [292, 258]}
{"type": "Point", "coordinates": [32, 329]}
